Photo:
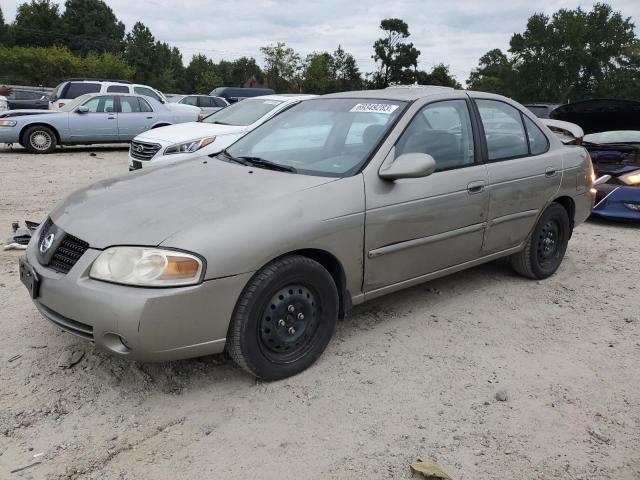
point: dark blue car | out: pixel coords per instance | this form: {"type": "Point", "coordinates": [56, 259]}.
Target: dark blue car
{"type": "Point", "coordinates": [612, 129]}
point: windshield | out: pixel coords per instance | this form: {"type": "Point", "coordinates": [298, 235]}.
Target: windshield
{"type": "Point", "coordinates": [243, 113]}
{"type": "Point", "coordinates": [616, 136]}
{"type": "Point", "coordinates": [329, 137]}
{"type": "Point", "coordinates": [68, 107]}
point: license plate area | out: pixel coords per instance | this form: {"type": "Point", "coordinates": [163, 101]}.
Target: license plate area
{"type": "Point", "coordinates": [29, 278]}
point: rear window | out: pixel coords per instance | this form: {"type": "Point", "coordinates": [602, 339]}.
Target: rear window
{"type": "Point", "coordinates": [76, 89]}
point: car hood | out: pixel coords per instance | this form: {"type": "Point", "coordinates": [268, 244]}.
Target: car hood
{"type": "Point", "coordinates": [188, 131]}
{"type": "Point", "coordinates": [603, 115]}
{"type": "Point", "coordinates": [25, 112]}
{"type": "Point", "coordinates": [148, 206]}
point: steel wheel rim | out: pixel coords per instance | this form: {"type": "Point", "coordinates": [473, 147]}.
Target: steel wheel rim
{"type": "Point", "coordinates": [549, 242]}
{"type": "Point", "coordinates": [288, 323]}
{"type": "Point", "coordinates": [40, 140]}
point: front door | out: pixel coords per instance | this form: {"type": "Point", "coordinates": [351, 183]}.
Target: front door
{"type": "Point", "coordinates": [419, 226]}
{"type": "Point", "coordinates": [523, 174]}
{"type": "Point", "coordinates": [99, 124]}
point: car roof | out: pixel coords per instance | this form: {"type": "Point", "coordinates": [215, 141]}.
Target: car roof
{"type": "Point", "coordinates": [404, 92]}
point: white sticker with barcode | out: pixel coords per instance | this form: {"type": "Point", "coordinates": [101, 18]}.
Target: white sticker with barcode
{"type": "Point", "coordinates": [374, 108]}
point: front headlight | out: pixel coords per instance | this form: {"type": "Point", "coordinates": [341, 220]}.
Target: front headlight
{"type": "Point", "coordinates": [631, 178]}
{"type": "Point", "coordinates": [190, 146]}
{"type": "Point", "coordinates": [147, 267]}
{"type": "Point", "coordinates": [8, 123]}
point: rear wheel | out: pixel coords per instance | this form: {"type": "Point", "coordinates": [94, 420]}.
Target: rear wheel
{"type": "Point", "coordinates": [39, 139]}
{"type": "Point", "coordinates": [284, 319]}
{"type": "Point", "coordinates": [546, 245]}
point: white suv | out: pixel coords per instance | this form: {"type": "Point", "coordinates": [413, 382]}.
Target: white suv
{"type": "Point", "coordinates": [73, 88]}
{"type": "Point", "coordinates": [4, 105]}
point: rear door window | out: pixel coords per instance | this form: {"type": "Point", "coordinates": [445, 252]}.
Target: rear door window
{"type": "Point", "coordinates": [144, 105]}
{"type": "Point", "coordinates": [129, 105]}
{"type": "Point", "coordinates": [80, 88]}
{"type": "Point", "coordinates": [503, 130]}
{"type": "Point", "coordinates": [538, 142]}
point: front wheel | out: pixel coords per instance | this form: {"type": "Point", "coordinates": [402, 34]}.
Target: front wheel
{"type": "Point", "coordinates": [546, 245]}
{"type": "Point", "coordinates": [39, 139]}
{"type": "Point", "coordinates": [284, 318]}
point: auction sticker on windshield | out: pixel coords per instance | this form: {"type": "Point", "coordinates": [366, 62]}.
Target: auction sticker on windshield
{"type": "Point", "coordinates": [374, 108]}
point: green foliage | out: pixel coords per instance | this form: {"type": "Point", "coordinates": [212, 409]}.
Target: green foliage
{"type": "Point", "coordinates": [3, 28]}
{"type": "Point", "coordinates": [37, 24]}
{"type": "Point", "coordinates": [326, 73]}
{"type": "Point", "coordinates": [91, 25]}
{"type": "Point", "coordinates": [282, 67]}
{"type": "Point", "coordinates": [201, 75]}
{"type": "Point", "coordinates": [398, 60]}
{"type": "Point", "coordinates": [49, 66]}
{"type": "Point", "coordinates": [439, 76]}
{"type": "Point", "coordinates": [571, 55]}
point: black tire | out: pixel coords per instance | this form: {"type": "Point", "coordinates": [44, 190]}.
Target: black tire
{"type": "Point", "coordinates": [546, 244]}
{"type": "Point", "coordinates": [39, 139]}
{"type": "Point", "coordinates": [284, 318]}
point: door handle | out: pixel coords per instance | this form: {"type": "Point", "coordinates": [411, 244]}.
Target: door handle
{"type": "Point", "coordinates": [111, 118]}
{"type": "Point", "coordinates": [475, 187]}
{"type": "Point", "coordinates": [149, 118]}
{"type": "Point", "coordinates": [550, 172]}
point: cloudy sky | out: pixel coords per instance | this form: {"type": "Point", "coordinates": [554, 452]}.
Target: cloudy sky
{"type": "Point", "coordinates": [456, 33]}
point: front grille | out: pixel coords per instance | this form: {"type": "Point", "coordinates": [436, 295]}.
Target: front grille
{"type": "Point", "coordinates": [68, 253]}
{"type": "Point", "coordinates": [143, 151]}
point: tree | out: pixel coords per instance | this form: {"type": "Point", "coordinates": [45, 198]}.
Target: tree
{"type": "Point", "coordinates": [398, 60]}
{"type": "Point", "coordinates": [439, 76]}
{"type": "Point", "coordinates": [282, 67]}
{"type": "Point", "coordinates": [345, 71]}
{"type": "Point", "coordinates": [36, 25]}
{"type": "Point", "coordinates": [244, 69]}
{"type": "Point", "coordinates": [201, 76]}
{"type": "Point", "coordinates": [3, 28]}
{"type": "Point", "coordinates": [139, 52]}
{"type": "Point", "coordinates": [318, 73]}
{"type": "Point", "coordinates": [495, 74]}
{"type": "Point", "coordinates": [91, 25]}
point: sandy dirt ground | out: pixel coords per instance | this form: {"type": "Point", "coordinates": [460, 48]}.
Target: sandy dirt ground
{"type": "Point", "coordinates": [414, 374]}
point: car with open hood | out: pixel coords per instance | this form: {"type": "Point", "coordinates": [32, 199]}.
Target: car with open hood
{"type": "Point", "coordinates": [90, 119]}
{"type": "Point", "coordinates": [209, 135]}
{"type": "Point", "coordinates": [612, 137]}
{"type": "Point", "coordinates": [336, 200]}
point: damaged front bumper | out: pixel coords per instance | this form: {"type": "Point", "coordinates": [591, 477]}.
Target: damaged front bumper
{"type": "Point", "coordinates": [617, 201]}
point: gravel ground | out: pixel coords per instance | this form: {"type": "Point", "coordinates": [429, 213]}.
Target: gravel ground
{"type": "Point", "coordinates": [414, 374]}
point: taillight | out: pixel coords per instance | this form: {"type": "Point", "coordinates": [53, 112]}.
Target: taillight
{"type": "Point", "coordinates": [200, 117]}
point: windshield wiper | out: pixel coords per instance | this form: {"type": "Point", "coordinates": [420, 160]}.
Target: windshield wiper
{"type": "Point", "coordinates": [230, 157]}
{"type": "Point", "coordinates": [268, 164]}
{"type": "Point", "coordinates": [220, 123]}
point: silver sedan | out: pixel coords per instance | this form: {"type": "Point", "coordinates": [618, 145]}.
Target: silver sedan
{"type": "Point", "coordinates": [335, 201]}
{"type": "Point", "coordinates": [89, 119]}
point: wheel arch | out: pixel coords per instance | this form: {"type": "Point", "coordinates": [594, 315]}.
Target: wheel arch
{"type": "Point", "coordinates": [331, 263]}
{"type": "Point", "coordinates": [39, 124]}
{"type": "Point", "coordinates": [570, 206]}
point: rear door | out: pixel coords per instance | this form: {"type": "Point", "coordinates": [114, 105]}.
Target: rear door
{"type": "Point", "coordinates": [524, 174]}
{"type": "Point", "coordinates": [99, 124]}
{"type": "Point", "coordinates": [135, 116]}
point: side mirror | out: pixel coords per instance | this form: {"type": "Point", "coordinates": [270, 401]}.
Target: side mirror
{"type": "Point", "coordinates": [82, 109]}
{"type": "Point", "coordinates": [601, 180]}
{"type": "Point", "coordinates": [409, 165]}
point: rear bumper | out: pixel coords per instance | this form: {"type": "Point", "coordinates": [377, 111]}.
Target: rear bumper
{"type": "Point", "coordinates": [145, 324]}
